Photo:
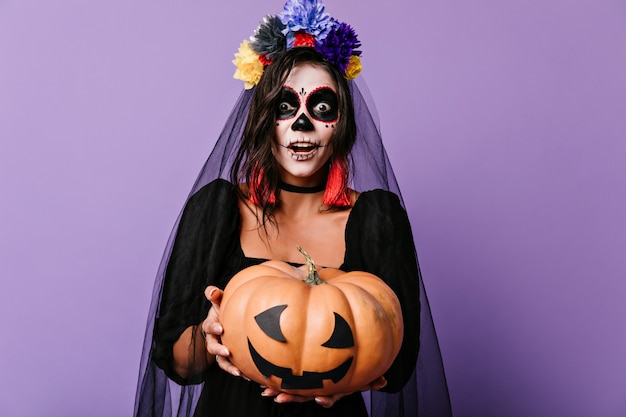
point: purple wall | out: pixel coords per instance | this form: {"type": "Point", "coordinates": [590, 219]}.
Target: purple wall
{"type": "Point", "coordinates": [505, 121]}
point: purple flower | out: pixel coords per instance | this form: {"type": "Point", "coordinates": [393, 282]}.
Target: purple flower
{"type": "Point", "coordinates": [307, 15]}
{"type": "Point", "coordinates": [339, 45]}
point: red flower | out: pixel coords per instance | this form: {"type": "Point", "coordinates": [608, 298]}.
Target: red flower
{"type": "Point", "coordinates": [264, 60]}
{"type": "Point", "coordinates": [304, 39]}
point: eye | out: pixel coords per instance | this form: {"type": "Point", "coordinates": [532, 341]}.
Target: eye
{"type": "Point", "coordinates": [269, 322]}
{"type": "Point", "coordinates": [322, 108]}
{"type": "Point", "coordinates": [288, 104]}
{"type": "Point", "coordinates": [285, 107]}
{"type": "Point", "coordinates": [342, 335]}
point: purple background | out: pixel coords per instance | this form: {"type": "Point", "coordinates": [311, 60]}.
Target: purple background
{"type": "Point", "coordinates": [505, 122]}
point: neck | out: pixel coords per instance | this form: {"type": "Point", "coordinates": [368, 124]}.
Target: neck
{"type": "Point", "coordinates": [301, 190]}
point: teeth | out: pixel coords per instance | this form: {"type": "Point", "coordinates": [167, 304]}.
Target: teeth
{"type": "Point", "coordinates": [302, 147]}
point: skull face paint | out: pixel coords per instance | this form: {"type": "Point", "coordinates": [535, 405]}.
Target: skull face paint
{"type": "Point", "coordinates": [306, 115]}
{"type": "Point", "coordinates": [321, 104]}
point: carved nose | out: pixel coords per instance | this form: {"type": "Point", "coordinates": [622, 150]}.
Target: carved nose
{"type": "Point", "coordinates": [302, 124]}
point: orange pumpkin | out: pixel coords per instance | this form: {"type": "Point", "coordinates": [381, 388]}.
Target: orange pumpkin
{"type": "Point", "coordinates": [310, 333]}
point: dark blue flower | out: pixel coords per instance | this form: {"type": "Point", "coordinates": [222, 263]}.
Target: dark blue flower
{"type": "Point", "coordinates": [268, 39]}
{"type": "Point", "coordinates": [339, 45]}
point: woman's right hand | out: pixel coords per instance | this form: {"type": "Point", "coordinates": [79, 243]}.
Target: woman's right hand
{"type": "Point", "coordinates": [212, 331]}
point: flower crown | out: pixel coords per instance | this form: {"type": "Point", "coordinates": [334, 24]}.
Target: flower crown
{"type": "Point", "coordinates": [302, 23]}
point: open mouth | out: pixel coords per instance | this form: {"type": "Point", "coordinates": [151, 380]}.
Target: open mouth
{"type": "Point", "coordinates": [302, 147]}
{"type": "Point", "coordinates": [302, 151]}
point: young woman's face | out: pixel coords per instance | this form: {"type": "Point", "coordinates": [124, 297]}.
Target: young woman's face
{"type": "Point", "coordinates": [306, 117]}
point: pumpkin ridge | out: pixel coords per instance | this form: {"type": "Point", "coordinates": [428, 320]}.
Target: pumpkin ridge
{"type": "Point", "coordinates": [362, 300]}
{"type": "Point", "coordinates": [325, 299]}
{"type": "Point", "coordinates": [303, 308]}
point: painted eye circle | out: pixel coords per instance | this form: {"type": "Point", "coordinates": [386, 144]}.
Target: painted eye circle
{"type": "Point", "coordinates": [288, 104]}
{"type": "Point", "coordinates": [322, 104]}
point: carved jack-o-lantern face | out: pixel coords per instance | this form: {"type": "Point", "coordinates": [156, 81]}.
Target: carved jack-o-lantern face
{"type": "Point", "coordinates": [341, 338]}
{"type": "Point", "coordinates": [296, 336]}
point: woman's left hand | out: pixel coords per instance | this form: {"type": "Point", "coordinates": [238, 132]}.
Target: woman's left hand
{"type": "Point", "coordinates": [324, 401]}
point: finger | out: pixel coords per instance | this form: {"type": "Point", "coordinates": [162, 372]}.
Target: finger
{"type": "Point", "coordinates": [215, 348]}
{"type": "Point", "coordinates": [379, 384]}
{"type": "Point", "coordinates": [226, 365]}
{"type": "Point", "coordinates": [215, 328]}
{"type": "Point", "coordinates": [328, 402]}
{"type": "Point", "coordinates": [213, 294]}
{"type": "Point", "coordinates": [283, 397]}
{"type": "Point", "coordinates": [211, 330]}
{"type": "Point", "coordinates": [269, 392]}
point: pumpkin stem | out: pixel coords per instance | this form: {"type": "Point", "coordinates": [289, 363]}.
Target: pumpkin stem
{"type": "Point", "coordinates": [313, 278]}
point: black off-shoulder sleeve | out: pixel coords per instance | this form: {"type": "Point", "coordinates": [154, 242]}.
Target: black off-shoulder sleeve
{"type": "Point", "coordinates": [379, 240]}
{"type": "Point", "coordinates": [204, 238]}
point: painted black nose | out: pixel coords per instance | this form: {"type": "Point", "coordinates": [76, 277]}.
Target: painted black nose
{"type": "Point", "coordinates": [302, 124]}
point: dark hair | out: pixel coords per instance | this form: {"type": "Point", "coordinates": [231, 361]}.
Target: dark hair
{"type": "Point", "coordinates": [254, 164]}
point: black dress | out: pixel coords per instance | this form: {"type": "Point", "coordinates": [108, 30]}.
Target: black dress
{"type": "Point", "coordinates": [207, 251]}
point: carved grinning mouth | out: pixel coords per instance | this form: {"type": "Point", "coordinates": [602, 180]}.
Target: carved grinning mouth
{"type": "Point", "coordinates": [307, 380]}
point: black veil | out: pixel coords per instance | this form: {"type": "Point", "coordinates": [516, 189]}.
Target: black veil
{"type": "Point", "coordinates": [426, 393]}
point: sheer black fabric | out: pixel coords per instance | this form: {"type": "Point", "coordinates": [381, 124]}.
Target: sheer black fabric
{"type": "Point", "coordinates": [204, 248]}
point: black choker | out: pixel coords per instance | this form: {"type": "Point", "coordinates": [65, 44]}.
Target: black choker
{"type": "Point", "coordinates": [301, 190]}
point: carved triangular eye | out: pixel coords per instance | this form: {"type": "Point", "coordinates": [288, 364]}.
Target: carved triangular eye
{"type": "Point", "coordinates": [269, 322]}
{"type": "Point", "coordinates": [342, 335]}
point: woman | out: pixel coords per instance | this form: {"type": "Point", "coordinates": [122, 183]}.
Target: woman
{"type": "Point", "coordinates": [289, 186]}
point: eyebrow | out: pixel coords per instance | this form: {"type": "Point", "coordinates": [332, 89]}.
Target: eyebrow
{"type": "Point", "coordinates": [289, 87]}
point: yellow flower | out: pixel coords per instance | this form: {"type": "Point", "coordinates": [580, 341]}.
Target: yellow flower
{"type": "Point", "coordinates": [249, 68]}
{"type": "Point", "coordinates": [354, 67]}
